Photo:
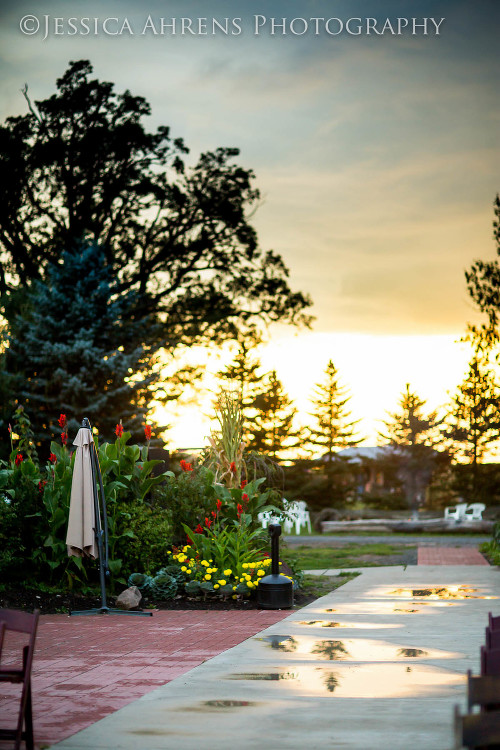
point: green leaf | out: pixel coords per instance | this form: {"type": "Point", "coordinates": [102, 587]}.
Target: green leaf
{"type": "Point", "coordinates": [115, 566]}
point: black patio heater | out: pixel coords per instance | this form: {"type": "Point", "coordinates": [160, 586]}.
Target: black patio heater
{"type": "Point", "coordinates": [275, 591]}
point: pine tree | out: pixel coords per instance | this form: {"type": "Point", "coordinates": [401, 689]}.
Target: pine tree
{"type": "Point", "coordinates": [272, 429]}
{"type": "Point", "coordinates": [331, 428]}
{"type": "Point", "coordinates": [412, 436]}
{"type": "Point", "coordinates": [244, 375]}
{"type": "Point", "coordinates": [76, 348]}
{"type": "Point", "coordinates": [473, 420]}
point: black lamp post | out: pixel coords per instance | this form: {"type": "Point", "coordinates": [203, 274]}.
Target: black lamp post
{"type": "Point", "coordinates": [275, 591]}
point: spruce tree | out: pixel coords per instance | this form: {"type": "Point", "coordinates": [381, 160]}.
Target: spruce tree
{"type": "Point", "coordinates": [272, 429]}
{"type": "Point", "coordinates": [473, 419]}
{"type": "Point", "coordinates": [332, 428]}
{"type": "Point", "coordinates": [412, 436]}
{"type": "Point", "coordinates": [77, 348]}
{"type": "Point", "coordinates": [244, 375]}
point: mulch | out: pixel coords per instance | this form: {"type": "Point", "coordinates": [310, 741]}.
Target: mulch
{"type": "Point", "coordinates": [50, 603]}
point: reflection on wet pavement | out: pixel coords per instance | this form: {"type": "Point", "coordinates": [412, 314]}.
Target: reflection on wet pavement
{"type": "Point", "coordinates": [349, 625]}
{"type": "Point", "coordinates": [408, 611]}
{"type": "Point", "coordinates": [389, 680]}
{"type": "Point", "coordinates": [351, 649]}
{"type": "Point", "coordinates": [270, 676]}
{"type": "Point", "coordinates": [412, 653]}
{"type": "Point", "coordinates": [441, 592]}
{"type": "Point", "coordinates": [280, 642]}
{"type": "Point", "coordinates": [330, 650]}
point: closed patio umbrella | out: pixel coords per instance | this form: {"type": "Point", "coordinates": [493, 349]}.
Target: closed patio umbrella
{"type": "Point", "coordinates": [86, 535]}
{"type": "Point", "coordinates": [80, 538]}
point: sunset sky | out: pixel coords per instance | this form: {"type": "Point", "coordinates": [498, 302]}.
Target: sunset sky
{"type": "Point", "coordinates": [377, 157]}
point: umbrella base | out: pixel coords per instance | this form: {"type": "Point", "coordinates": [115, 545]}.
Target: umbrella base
{"type": "Point", "coordinates": [108, 611]}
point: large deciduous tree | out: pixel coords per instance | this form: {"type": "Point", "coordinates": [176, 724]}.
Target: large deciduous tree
{"type": "Point", "coordinates": [80, 169]}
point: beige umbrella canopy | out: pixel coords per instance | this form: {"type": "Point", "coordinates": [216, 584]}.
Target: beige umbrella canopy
{"type": "Point", "coordinates": [81, 537]}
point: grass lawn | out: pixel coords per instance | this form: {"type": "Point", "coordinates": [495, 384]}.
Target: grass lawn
{"type": "Point", "coordinates": [315, 586]}
{"type": "Point", "coordinates": [348, 556]}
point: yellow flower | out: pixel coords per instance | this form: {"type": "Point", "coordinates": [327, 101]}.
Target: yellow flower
{"type": "Point", "coordinates": [169, 552]}
{"type": "Point", "coordinates": [216, 585]}
{"type": "Point", "coordinates": [261, 572]}
{"type": "Point", "coordinates": [183, 568]}
{"type": "Point", "coordinates": [222, 582]}
{"type": "Point", "coordinates": [188, 571]}
{"type": "Point", "coordinates": [281, 563]}
{"type": "Point", "coordinates": [245, 565]}
{"type": "Point", "coordinates": [250, 584]}
{"type": "Point", "coordinates": [247, 577]}
{"type": "Point", "coordinates": [228, 572]}
{"type": "Point", "coordinates": [235, 596]}
{"type": "Point", "coordinates": [208, 577]}
{"type": "Point", "coordinates": [234, 588]}
{"type": "Point", "coordinates": [204, 562]}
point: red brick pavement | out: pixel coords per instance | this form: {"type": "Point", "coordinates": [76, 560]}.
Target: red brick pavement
{"type": "Point", "coordinates": [450, 556]}
{"type": "Point", "coordinates": [87, 667]}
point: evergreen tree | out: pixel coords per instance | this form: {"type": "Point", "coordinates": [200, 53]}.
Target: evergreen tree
{"type": "Point", "coordinates": [473, 420]}
{"type": "Point", "coordinates": [76, 349]}
{"type": "Point", "coordinates": [483, 284]}
{"type": "Point", "coordinates": [272, 428]}
{"type": "Point", "coordinates": [331, 429]}
{"type": "Point", "coordinates": [244, 375]}
{"type": "Point", "coordinates": [412, 436]}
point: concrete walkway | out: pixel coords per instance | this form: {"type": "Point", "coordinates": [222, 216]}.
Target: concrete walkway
{"type": "Point", "coordinates": [376, 665]}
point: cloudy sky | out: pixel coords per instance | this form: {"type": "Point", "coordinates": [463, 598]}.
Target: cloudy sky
{"type": "Point", "coordinates": [376, 154]}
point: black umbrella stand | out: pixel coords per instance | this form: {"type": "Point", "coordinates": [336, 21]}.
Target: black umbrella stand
{"type": "Point", "coordinates": [101, 537]}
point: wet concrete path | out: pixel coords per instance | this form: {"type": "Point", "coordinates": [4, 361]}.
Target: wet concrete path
{"type": "Point", "coordinates": [378, 663]}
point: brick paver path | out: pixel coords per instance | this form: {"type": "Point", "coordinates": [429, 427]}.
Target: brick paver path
{"type": "Point", "coordinates": [450, 556]}
{"type": "Point", "coordinates": [87, 667]}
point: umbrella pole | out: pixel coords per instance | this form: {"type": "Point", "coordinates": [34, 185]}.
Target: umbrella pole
{"type": "Point", "coordinates": [101, 537]}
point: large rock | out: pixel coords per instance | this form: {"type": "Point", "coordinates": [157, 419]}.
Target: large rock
{"type": "Point", "coordinates": [129, 599]}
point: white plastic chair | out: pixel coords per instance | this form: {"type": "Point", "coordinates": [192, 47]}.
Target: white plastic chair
{"type": "Point", "coordinates": [455, 512]}
{"type": "Point", "coordinates": [474, 512]}
{"type": "Point", "coordinates": [264, 518]}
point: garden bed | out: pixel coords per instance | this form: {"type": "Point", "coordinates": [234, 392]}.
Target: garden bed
{"type": "Point", "coordinates": [53, 603]}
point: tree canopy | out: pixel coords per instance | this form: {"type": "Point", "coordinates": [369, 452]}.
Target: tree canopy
{"type": "Point", "coordinates": [80, 166]}
{"type": "Point", "coordinates": [182, 261]}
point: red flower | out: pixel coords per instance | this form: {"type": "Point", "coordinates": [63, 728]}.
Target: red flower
{"type": "Point", "coordinates": [232, 467]}
{"type": "Point", "coordinates": [41, 484]}
{"type": "Point", "coordinates": [119, 430]}
{"type": "Point", "coordinates": [245, 498]}
{"type": "Point", "coordinates": [64, 438]}
{"type": "Point", "coordinates": [186, 466]}
{"type": "Point", "coordinates": [62, 420]}
{"type": "Point", "coordinates": [19, 459]}
{"type": "Point", "coordinates": [219, 505]}
{"type": "Point", "coordinates": [189, 540]}
{"type": "Point", "coordinates": [243, 484]}
{"type": "Point", "coordinates": [208, 522]}
{"type": "Point", "coordinates": [239, 509]}
{"type": "Point", "coordinates": [10, 429]}
{"type": "Point", "coordinates": [147, 431]}
{"type": "Point", "coordinates": [214, 514]}
{"type": "Point", "coordinates": [198, 529]}
{"type": "Point", "coordinates": [53, 458]}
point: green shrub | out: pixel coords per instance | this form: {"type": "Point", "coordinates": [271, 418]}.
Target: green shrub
{"type": "Point", "coordinates": [186, 499]}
